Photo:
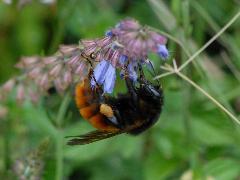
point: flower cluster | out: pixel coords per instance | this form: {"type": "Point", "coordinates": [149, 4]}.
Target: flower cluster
{"type": "Point", "coordinates": [63, 69]}
{"type": "Point", "coordinates": [31, 165]}
{"type": "Point", "coordinates": [60, 70]}
{"type": "Point", "coordinates": [124, 47]}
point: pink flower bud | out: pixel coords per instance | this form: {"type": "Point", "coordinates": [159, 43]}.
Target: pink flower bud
{"type": "Point", "coordinates": [49, 60]}
{"type": "Point", "coordinates": [55, 71]}
{"type": "Point", "coordinates": [34, 73]}
{"type": "Point", "coordinates": [88, 43]}
{"type": "Point", "coordinates": [33, 96]}
{"type": "Point", "coordinates": [8, 86]}
{"type": "Point", "coordinates": [44, 81]}
{"type": "Point", "coordinates": [80, 68]}
{"type": "Point", "coordinates": [59, 85]}
{"type": "Point", "coordinates": [66, 49]}
{"type": "Point", "coordinates": [73, 60]}
{"type": "Point", "coordinates": [67, 78]}
{"type": "Point", "coordinates": [20, 94]}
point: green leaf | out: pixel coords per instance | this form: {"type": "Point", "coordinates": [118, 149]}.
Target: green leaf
{"type": "Point", "coordinates": [222, 169]}
{"type": "Point", "coordinates": [209, 134]}
{"type": "Point", "coordinates": [157, 167]}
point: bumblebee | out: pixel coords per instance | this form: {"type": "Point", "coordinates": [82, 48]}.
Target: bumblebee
{"type": "Point", "coordinates": [132, 112]}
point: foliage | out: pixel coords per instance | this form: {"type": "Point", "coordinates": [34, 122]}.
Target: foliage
{"type": "Point", "coordinates": [194, 138]}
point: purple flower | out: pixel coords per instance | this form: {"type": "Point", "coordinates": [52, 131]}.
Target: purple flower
{"type": "Point", "coordinates": [137, 41]}
{"type": "Point", "coordinates": [104, 74]}
{"type": "Point", "coordinates": [128, 24]}
{"type": "Point", "coordinates": [162, 51]}
{"type": "Point", "coordinates": [100, 72]}
{"type": "Point", "coordinates": [132, 71]}
{"type": "Point", "coordinates": [123, 60]}
{"type": "Point", "coordinates": [109, 33]}
{"type": "Point", "coordinates": [110, 78]}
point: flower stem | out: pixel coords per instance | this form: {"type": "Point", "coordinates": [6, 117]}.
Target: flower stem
{"type": "Point", "coordinates": [210, 41]}
{"type": "Point", "coordinates": [187, 90]}
{"type": "Point", "coordinates": [7, 150]}
{"type": "Point", "coordinates": [59, 139]}
{"type": "Point", "coordinates": [62, 110]}
{"type": "Point", "coordinates": [208, 96]}
{"type": "Point", "coordinates": [59, 156]}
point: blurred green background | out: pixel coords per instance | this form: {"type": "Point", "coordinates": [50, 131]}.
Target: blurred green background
{"type": "Point", "coordinates": [193, 139]}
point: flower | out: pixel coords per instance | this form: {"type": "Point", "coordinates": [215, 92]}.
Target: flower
{"type": "Point", "coordinates": [20, 93]}
{"type": "Point", "coordinates": [99, 73]}
{"type": "Point", "coordinates": [104, 74]}
{"type": "Point", "coordinates": [124, 47]}
{"type": "Point", "coordinates": [55, 70]}
{"type": "Point", "coordinates": [67, 66]}
{"type": "Point", "coordinates": [132, 71]}
{"type": "Point", "coordinates": [110, 78]}
{"type": "Point", "coordinates": [122, 60]}
{"type": "Point", "coordinates": [138, 41]}
{"type": "Point", "coordinates": [108, 33]}
{"type": "Point", "coordinates": [162, 52]}
{"type": "Point", "coordinates": [8, 86]}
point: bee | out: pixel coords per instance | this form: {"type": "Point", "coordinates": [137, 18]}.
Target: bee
{"type": "Point", "coordinates": [132, 112]}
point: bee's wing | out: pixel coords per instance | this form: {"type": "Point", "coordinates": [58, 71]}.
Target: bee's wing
{"type": "Point", "coordinates": [91, 137]}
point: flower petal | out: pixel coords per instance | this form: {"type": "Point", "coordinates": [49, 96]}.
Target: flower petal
{"type": "Point", "coordinates": [100, 71]}
{"type": "Point", "coordinates": [132, 71]}
{"type": "Point", "coordinates": [109, 33]}
{"type": "Point", "coordinates": [123, 60]}
{"type": "Point", "coordinates": [162, 51]}
{"type": "Point", "coordinates": [110, 78]}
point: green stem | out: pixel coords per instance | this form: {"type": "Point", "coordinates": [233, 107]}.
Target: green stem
{"type": "Point", "coordinates": [59, 156]}
{"type": "Point", "coordinates": [210, 41]}
{"type": "Point", "coordinates": [63, 109]}
{"type": "Point", "coordinates": [7, 147]}
{"type": "Point", "coordinates": [209, 97]}
{"type": "Point", "coordinates": [185, 11]}
{"type": "Point", "coordinates": [59, 139]}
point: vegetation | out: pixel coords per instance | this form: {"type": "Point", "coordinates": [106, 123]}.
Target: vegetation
{"type": "Point", "coordinates": [198, 134]}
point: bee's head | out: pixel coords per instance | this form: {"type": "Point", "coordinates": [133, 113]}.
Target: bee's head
{"type": "Point", "coordinates": [150, 92]}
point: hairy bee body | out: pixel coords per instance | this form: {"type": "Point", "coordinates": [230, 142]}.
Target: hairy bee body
{"type": "Point", "coordinates": [133, 112]}
{"type": "Point", "coordinates": [88, 102]}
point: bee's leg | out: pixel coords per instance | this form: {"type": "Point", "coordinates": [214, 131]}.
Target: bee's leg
{"type": "Point", "coordinates": [98, 88]}
{"type": "Point", "coordinates": [91, 76]}
{"type": "Point", "coordinates": [130, 86]}
{"type": "Point", "coordinates": [141, 71]}
{"type": "Point", "coordinates": [121, 123]}
{"type": "Point", "coordinates": [132, 90]}
{"type": "Point", "coordinates": [142, 76]}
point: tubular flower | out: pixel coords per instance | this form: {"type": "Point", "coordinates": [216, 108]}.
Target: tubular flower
{"type": "Point", "coordinates": [104, 74]}
{"type": "Point", "coordinates": [137, 40]}
{"type": "Point", "coordinates": [110, 79]}
{"type": "Point", "coordinates": [123, 48]}
{"type": "Point", "coordinates": [132, 71]}
{"type": "Point", "coordinates": [100, 73]}
{"type": "Point", "coordinates": [163, 52]}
